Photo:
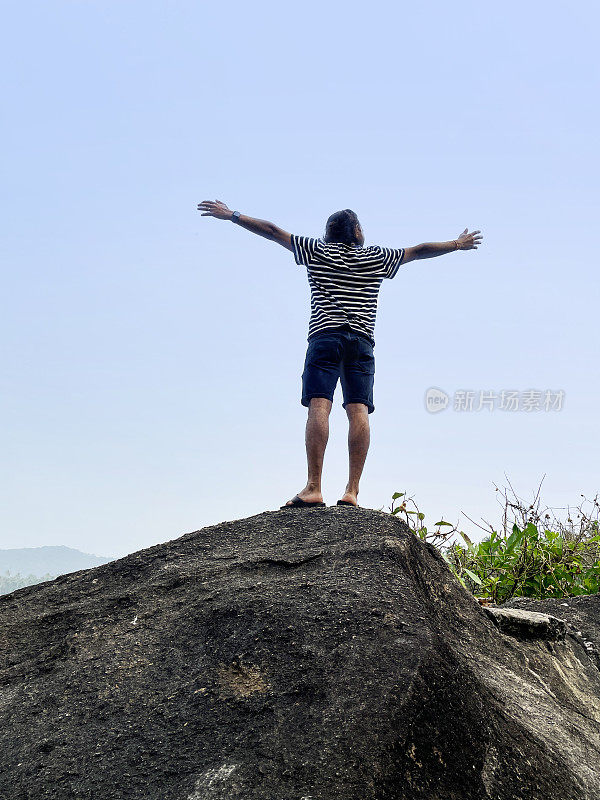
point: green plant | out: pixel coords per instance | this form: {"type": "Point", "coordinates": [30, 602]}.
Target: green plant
{"type": "Point", "coordinates": [533, 554]}
{"type": "Point", "coordinates": [440, 533]}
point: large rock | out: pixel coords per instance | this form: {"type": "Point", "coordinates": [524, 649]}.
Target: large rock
{"type": "Point", "coordinates": [325, 654]}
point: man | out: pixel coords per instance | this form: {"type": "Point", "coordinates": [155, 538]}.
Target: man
{"type": "Point", "coordinates": [344, 278]}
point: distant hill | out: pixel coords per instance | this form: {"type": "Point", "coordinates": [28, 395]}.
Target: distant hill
{"type": "Point", "coordinates": [21, 566]}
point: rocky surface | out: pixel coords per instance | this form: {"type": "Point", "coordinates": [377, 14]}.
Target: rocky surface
{"type": "Point", "coordinates": [581, 614]}
{"type": "Point", "coordinates": [322, 654]}
{"type": "Point", "coordinates": [528, 624]}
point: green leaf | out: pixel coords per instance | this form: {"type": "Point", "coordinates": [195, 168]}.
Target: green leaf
{"type": "Point", "coordinates": [421, 515]}
{"type": "Point", "coordinates": [441, 522]}
{"type": "Point", "coordinates": [396, 495]}
{"type": "Point", "coordinates": [466, 538]}
{"type": "Point", "coordinates": [514, 539]}
{"type": "Point", "coordinates": [473, 576]}
{"type": "Point", "coordinates": [531, 532]}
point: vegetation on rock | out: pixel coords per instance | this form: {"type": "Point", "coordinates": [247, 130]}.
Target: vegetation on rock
{"type": "Point", "coordinates": [532, 553]}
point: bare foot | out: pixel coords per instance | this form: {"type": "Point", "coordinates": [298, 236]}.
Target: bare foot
{"type": "Point", "coordinates": [309, 496]}
{"type": "Point", "coordinates": [351, 498]}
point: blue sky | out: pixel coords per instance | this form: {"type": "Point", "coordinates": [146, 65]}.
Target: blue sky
{"type": "Point", "coordinates": [152, 357]}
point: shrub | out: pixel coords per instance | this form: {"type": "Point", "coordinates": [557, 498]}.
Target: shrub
{"type": "Point", "coordinates": [531, 554]}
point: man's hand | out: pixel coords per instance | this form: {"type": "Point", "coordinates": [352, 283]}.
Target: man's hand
{"type": "Point", "coordinates": [469, 241]}
{"type": "Point", "coordinates": [218, 209]}
{"type": "Point", "coordinates": [466, 241]}
{"type": "Point", "coordinates": [214, 208]}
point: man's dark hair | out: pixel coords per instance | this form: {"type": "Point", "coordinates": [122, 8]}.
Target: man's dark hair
{"type": "Point", "coordinates": [341, 228]}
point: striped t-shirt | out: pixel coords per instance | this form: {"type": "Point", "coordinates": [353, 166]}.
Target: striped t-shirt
{"type": "Point", "coordinates": [344, 282]}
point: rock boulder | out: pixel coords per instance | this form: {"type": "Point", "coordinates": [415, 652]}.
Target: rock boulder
{"type": "Point", "coordinates": [322, 654]}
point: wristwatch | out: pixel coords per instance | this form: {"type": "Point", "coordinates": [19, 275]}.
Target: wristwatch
{"type": "Point", "coordinates": [235, 216]}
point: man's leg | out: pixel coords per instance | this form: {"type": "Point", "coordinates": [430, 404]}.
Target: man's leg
{"type": "Point", "coordinates": [317, 434]}
{"type": "Point", "coordinates": [359, 437]}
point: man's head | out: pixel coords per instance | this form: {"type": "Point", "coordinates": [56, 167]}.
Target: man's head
{"type": "Point", "coordinates": [343, 227]}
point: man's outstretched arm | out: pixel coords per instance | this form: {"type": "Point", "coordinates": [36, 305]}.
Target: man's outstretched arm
{"type": "Point", "coordinates": [466, 241]}
{"type": "Point", "coordinates": [218, 209]}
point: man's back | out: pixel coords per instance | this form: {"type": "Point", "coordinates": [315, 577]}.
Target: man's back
{"type": "Point", "coordinates": [344, 281]}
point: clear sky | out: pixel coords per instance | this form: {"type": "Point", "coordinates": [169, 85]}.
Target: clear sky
{"type": "Point", "coordinates": [152, 358]}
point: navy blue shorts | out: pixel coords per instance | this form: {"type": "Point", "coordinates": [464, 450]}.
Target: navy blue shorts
{"type": "Point", "coordinates": [339, 354]}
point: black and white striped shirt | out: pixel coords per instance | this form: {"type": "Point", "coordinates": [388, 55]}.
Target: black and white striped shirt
{"type": "Point", "coordinates": [344, 282]}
